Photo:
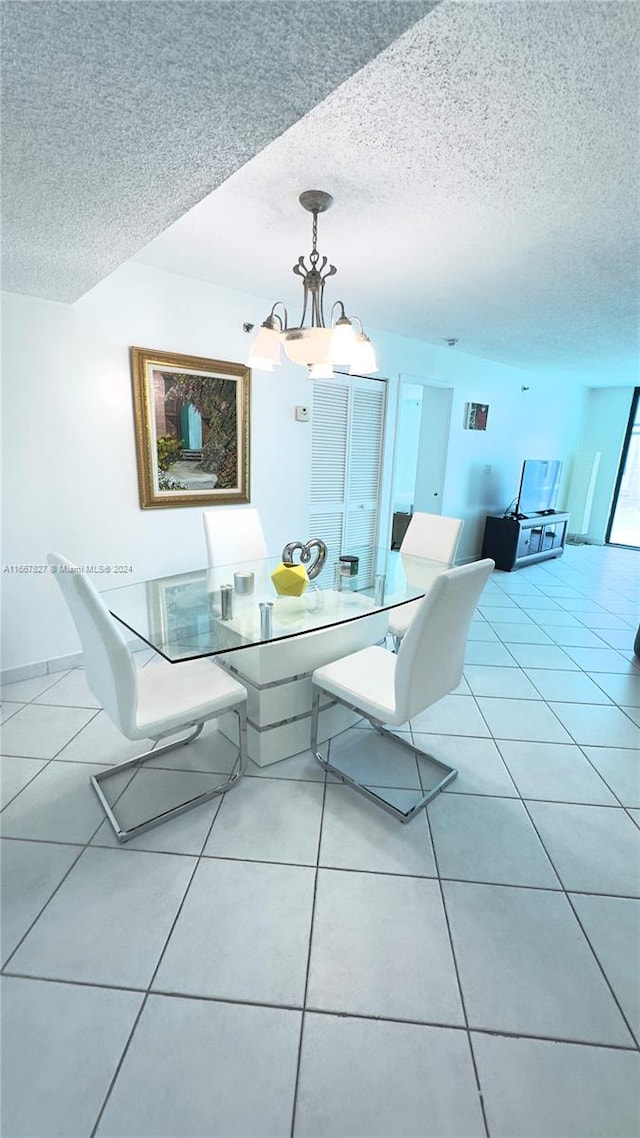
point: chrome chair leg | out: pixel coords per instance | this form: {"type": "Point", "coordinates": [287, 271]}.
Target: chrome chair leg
{"type": "Point", "coordinates": [448, 773]}
{"type": "Point", "coordinates": [239, 768]}
{"type": "Point", "coordinates": [315, 713]}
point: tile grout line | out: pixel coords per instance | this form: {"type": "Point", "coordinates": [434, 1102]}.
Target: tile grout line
{"type": "Point", "coordinates": [458, 980]}
{"type": "Point", "coordinates": [618, 804]}
{"type": "Point", "coordinates": [567, 897]}
{"type": "Point", "coordinates": [600, 775]}
{"type": "Point", "coordinates": [3, 970]}
{"type": "Point", "coordinates": [351, 869]}
{"type": "Point", "coordinates": [52, 758]}
{"type": "Point", "coordinates": [296, 1084]}
{"type": "Point", "coordinates": [148, 992]}
{"type": "Point", "coordinates": [19, 792]}
{"type": "Point", "coordinates": [236, 1002]}
{"type": "Point", "coordinates": [83, 848]}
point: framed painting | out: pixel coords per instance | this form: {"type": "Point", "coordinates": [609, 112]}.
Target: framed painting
{"type": "Point", "coordinates": [192, 429]}
{"type": "Point", "coordinates": [475, 416]}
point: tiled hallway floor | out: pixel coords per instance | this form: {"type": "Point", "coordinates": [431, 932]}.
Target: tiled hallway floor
{"type": "Point", "coordinates": [294, 961]}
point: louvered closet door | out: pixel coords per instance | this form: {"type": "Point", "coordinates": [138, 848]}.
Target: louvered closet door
{"type": "Point", "coordinates": [347, 439]}
{"type": "Point", "coordinates": [363, 472]}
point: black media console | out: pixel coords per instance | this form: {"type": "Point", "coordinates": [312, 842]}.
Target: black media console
{"type": "Point", "coordinates": [514, 542]}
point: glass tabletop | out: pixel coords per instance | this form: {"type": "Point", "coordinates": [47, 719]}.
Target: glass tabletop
{"type": "Point", "coordinates": [210, 611]}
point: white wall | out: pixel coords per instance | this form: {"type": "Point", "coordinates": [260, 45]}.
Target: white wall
{"type": "Point", "coordinates": [70, 480]}
{"type": "Point", "coordinates": [543, 421]}
{"type": "Point", "coordinates": [69, 456]}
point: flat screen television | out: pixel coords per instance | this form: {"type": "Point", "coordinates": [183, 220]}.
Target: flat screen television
{"type": "Point", "coordinates": [539, 487]}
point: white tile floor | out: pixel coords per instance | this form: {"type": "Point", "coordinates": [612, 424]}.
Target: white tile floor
{"type": "Point", "coordinates": [292, 961]}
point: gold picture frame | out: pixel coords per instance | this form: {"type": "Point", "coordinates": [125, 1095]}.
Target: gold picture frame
{"type": "Point", "coordinates": [191, 419]}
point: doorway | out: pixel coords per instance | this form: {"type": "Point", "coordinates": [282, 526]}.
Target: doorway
{"type": "Point", "coordinates": [422, 440]}
{"type": "Point", "coordinates": [624, 520]}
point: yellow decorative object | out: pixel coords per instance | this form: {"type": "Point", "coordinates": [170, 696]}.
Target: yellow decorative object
{"type": "Point", "coordinates": [290, 580]}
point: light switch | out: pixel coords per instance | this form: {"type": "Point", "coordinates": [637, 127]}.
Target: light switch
{"type": "Point", "coordinates": [302, 414]}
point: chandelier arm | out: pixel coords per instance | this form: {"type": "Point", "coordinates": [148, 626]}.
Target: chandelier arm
{"type": "Point", "coordinates": [305, 286]}
{"type": "Point", "coordinates": [331, 271]}
{"type": "Point", "coordinates": [273, 316]}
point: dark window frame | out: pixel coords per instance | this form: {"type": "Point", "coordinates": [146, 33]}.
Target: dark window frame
{"type": "Point", "coordinates": [621, 466]}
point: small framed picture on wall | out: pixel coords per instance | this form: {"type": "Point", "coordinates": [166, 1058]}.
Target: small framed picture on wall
{"type": "Point", "coordinates": [475, 416]}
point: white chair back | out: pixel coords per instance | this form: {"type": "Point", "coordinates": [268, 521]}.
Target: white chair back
{"type": "Point", "coordinates": [431, 656]}
{"type": "Point", "coordinates": [433, 536]}
{"type": "Point", "coordinates": [111, 673]}
{"type": "Point", "coordinates": [233, 535]}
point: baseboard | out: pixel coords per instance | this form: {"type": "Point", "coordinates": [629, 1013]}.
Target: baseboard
{"type": "Point", "coordinates": [51, 667]}
{"type": "Point", "coordinates": [41, 668]}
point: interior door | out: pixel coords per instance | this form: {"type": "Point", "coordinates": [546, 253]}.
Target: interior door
{"type": "Point", "coordinates": [422, 439]}
{"type": "Point", "coordinates": [346, 467]}
{"type": "Point", "coordinates": [432, 448]}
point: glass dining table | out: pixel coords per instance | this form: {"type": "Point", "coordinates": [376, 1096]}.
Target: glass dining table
{"type": "Point", "coordinates": [272, 643]}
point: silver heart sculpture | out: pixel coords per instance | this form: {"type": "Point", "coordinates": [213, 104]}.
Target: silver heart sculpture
{"type": "Point", "coordinates": [305, 555]}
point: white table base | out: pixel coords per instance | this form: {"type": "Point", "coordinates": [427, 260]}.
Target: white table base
{"type": "Point", "coordinates": [277, 677]}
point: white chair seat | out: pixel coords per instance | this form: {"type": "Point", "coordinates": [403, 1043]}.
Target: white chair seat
{"type": "Point", "coordinates": [400, 618]}
{"type": "Point", "coordinates": [365, 679]}
{"type": "Point", "coordinates": [172, 695]}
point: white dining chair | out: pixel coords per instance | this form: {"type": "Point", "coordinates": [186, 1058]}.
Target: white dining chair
{"type": "Point", "coordinates": [389, 689]}
{"type": "Point", "coordinates": [154, 702]}
{"type": "Point", "coordinates": [432, 536]}
{"type": "Point", "coordinates": [233, 535]}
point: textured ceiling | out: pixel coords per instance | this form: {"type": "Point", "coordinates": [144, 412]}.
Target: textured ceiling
{"type": "Point", "coordinates": [485, 164]}
{"type": "Point", "coordinates": [485, 170]}
{"type": "Point", "coordinates": [119, 116]}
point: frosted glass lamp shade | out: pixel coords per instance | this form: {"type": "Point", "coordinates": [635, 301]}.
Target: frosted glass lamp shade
{"type": "Point", "coordinates": [363, 360]}
{"type": "Point", "coordinates": [265, 350]}
{"type": "Point", "coordinates": [343, 342]}
{"type": "Point", "coordinates": [320, 371]}
{"type": "Point", "coordinates": [307, 345]}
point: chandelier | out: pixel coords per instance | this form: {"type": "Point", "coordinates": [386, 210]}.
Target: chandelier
{"type": "Point", "coordinates": [314, 345]}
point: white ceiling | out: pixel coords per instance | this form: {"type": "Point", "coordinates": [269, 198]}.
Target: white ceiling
{"type": "Point", "coordinates": [485, 169]}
